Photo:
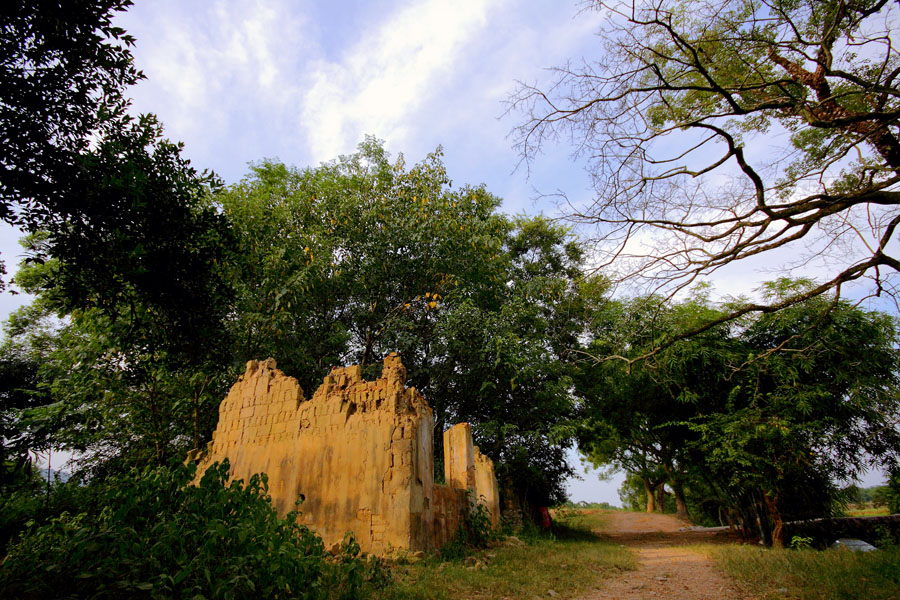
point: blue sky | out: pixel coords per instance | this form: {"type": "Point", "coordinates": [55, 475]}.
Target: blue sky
{"type": "Point", "coordinates": [304, 81]}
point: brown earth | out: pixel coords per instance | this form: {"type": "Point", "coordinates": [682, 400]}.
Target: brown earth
{"type": "Point", "coordinates": [669, 567]}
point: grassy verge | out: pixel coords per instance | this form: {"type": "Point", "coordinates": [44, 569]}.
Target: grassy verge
{"type": "Point", "coordinates": [570, 563]}
{"type": "Point", "coordinates": [813, 574]}
{"type": "Point", "coordinates": [584, 519]}
{"type": "Point", "coordinates": [868, 511]}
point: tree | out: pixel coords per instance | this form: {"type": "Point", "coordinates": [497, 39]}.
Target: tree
{"type": "Point", "coordinates": [507, 366]}
{"type": "Point", "coordinates": [893, 493]}
{"type": "Point", "coordinates": [136, 366]}
{"type": "Point", "coordinates": [346, 262]}
{"type": "Point", "coordinates": [63, 70]}
{"type": "Point", "coordinates": [351, 260]}
{"type": "Point", "coordinates": [19, 367]}
{"type": "Point", "coordinates": [123, 385]}
{"type": "Point", "coordinates": [148, 235]}
{"type": "Point", "coordinates": [124, 247]}
{"type": "Point", "coordinates": [819, 412]}
{"type": "Point", "coordinates": [759, 435]}
{"type": "Point", "coordinates": [635, 417]}
{"type": "Point", "coordinates": [683, 121]}
{"type": "Point", "coordinates": [122, 208]}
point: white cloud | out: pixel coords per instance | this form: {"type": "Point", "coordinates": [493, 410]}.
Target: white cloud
{"type": "Point", "coordinates": [220, 75]}
{"type": "Point", "coordinates": [238, 80]}
{"type": "Point", "coordinates": [388, 74]}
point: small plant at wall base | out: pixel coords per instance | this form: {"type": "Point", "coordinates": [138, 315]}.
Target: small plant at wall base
{"type": "Point", "coordinates": [478, 524]}
{"type": "Point", "coordinates": [475, 532]}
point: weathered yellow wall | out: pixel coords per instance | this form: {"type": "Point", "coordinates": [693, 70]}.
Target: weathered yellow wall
{"type": "Point", "coordinates": [465, 467]}
{"type": "Point", "coordinates": [360, 452]}
{"type": "Point", "coordinates": [486, 487]}
{"type": "Point", "coordinates": [459, 457]}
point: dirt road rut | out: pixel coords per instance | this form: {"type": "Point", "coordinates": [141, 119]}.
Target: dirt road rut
{"type": "Point", "coordinates": [669, 567]}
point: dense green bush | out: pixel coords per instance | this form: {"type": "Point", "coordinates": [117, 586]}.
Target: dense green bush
{"type": "Point", "coordinates": [156, 536]}
{"type": "Point", "coordinates": [38, 502]}
{"type": "Point", "coordinates": [893, 492]}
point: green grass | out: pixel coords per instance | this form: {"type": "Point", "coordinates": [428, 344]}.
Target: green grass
{"type": "Point", "coordinates": [813, 574]}
{"type": "Point", "coordinates": [571, 563]}
{"type": "Point", "coordinates": [867, 511]}
{"type": "Point", "coordinates": [589, 519]}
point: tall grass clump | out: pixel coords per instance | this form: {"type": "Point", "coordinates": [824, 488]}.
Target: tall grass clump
{"type": "Point", "coordinates": [812, 574]}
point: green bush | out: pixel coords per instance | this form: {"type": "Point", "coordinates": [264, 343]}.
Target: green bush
{"type": "Point", "coordinates": [475, 532]}
{"type": "Point", "coordinates": [35, 505]}
{"type": "Point", "coordinates": [155, 536]}
{"type": "Point", "coordinates": [16, 509]}
{"type": "Point", "coordinates": [893, 492]}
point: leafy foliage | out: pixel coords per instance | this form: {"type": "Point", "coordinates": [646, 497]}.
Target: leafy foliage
{"type": "Point", "coordinates": [124, 248]}
{"type": "Point", "coordinates": [111, 384]}
{"type": "Point", "coordinates": [354, 259]}
{"type": "Point", "coordinates": [63, 72]}
{"type": "Point", "coordinates": [475, 532]}
{"type": "Point", "coordinates": [893, 495]}
{"type": "Point", "coordinates": [759, 417]}
{"type": "Point", "coordinates": [148, 241]}
{"type": "Point", "coordinates": [151, 534]}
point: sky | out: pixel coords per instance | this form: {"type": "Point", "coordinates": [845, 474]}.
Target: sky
{"type": "Point", "coordinates": [305, 81]}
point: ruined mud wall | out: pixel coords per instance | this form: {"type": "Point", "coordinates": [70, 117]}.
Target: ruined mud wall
{"type": "Point", "coordinates": [465, 467]}
{"type": "Point", "coordinates": [360, 452]}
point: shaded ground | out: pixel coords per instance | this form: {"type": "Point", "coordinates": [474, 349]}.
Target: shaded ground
{"type": "Point", "coordinates": [669, 567]}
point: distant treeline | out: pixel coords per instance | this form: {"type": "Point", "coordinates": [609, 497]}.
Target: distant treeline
{"type": "Point", "coordinates": [877, 495]}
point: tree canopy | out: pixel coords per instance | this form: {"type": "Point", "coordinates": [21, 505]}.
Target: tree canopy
{"type": "Point", "coordinates": [745, 430]}
{"type": "Point", "coordinates": [63, 70]}
{"type": "Point", "coordinates": [124, 243]}
{"type": "Point", "coordinates": [720, 131]}
{"type": "Point", "coordinates": [363, 256]}
{"type": "Point", "coordinates": [318, 267]}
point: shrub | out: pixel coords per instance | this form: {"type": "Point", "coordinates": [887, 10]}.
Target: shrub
{"type": "Point", "coordinates": [475, 532]}
{"type": "Point", "coordinates": [893, 492]}
{"type": "Point", "coordinates": [156, 536]}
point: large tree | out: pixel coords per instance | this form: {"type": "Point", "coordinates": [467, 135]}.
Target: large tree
{"type": "Point", "coordinates": [820, 411]}
{"type": "Point", "coordinates": [717, 131]}
{"type": "Point", "coordinates": [362, 256]}
{"type": "Point", "coordinates": [125, 246]}
{"type": "Point", "coordinates": [636, 417]}
{"type": "Point", "coordinates": [122, 208]}
{"type": "Point", "coordinates": [764, 435]}
{"type": "Point", "coordinates": [64, 68]}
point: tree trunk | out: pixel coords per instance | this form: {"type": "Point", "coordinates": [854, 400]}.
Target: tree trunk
{"type": "Point", "coordinates": [777, 522]}
{"type": "Point", "coordinates": [762, 523]}
{"type": "Point", "coordinates": [744, 513]}
{"type": "Point", "coordinates": [681, 510]}
{"type": "Point", "coordinates": [651, 499]}
{"type": "Point", "coordinates": [367, 353]}
{"type": "Point", "coordinates": [661, 497]}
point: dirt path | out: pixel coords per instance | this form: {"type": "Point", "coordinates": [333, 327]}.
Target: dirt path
{"type": "Point", "coordinates": [667, 568]}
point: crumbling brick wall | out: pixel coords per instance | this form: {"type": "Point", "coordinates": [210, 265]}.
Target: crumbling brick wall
{"type": "Point", "coordinates": [359, 452]}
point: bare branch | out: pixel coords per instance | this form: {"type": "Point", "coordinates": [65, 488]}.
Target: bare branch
{"type": "Point", "coordinates": [682, 122]}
